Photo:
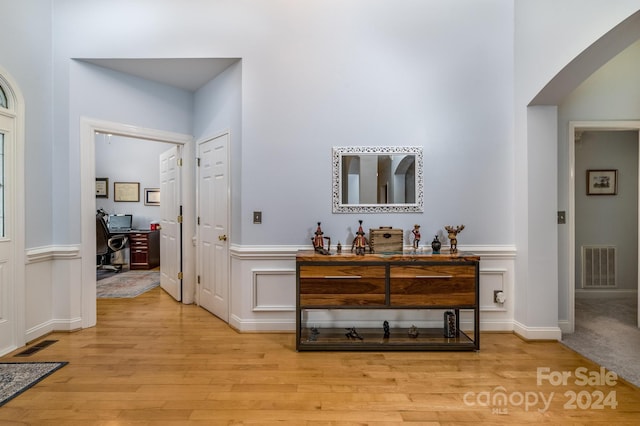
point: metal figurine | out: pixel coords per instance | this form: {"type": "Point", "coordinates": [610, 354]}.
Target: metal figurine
{"type": "Point", "coordinates": [416, 236]}
{"type": "Point", "coordinates": [352, 334]}
{"type": "Point", "coordinates": [360, 241]}
{"type": "Point", "coordinates": [385, 327]}
{"type": "Point", "coordinates": [318, 241]}
{"type": "Point", "coordinates": [435, 245]}
{"type": "Point", "coordinates": [314, 334]}
{"type": "Point", "coordinates": [413, 332]}
{"type": "Point", "coordinates": [453, 236]}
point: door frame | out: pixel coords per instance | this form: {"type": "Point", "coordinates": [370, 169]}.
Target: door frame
{"type": "Point", "coordinates": [88, 129]}
{"type": "Point", "coordinates": [16, 113]}
{"type": "Point", "coordinates": [593, 126]}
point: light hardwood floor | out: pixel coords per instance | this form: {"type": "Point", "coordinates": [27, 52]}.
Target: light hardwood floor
{"type": "Point", "coordinates": [152, 361]}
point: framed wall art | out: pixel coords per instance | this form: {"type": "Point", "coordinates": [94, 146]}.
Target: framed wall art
{"type": "Point", "coordinates": [152, 196]}
{"type": "Point", "coordinates": [126, 191]}
{"type": "Point", "coordinates": [102, 187]}
{"type": "Point", "coordinates": [602, 182]}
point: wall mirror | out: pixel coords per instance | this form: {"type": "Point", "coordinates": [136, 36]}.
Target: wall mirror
{"type": "Point", "coordinates": [377, 179]}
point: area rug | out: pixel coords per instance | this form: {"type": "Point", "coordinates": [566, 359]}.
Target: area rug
{"type": "Point", "coordinates": [17, 377]}
{"type": "Point", "coordinates": [606, 333]}
{"type": "Point", "coordinates": [127, 284]}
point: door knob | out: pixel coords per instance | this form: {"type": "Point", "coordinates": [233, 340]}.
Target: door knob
{"type": "Point", "coordinates": [222, 238]}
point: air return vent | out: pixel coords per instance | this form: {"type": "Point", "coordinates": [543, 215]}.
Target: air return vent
{"type": "Point", "coordinates": [598, 266]}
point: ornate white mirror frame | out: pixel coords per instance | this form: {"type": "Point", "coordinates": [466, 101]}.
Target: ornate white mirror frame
{"type": "Point", "coordinates": [404, 165]}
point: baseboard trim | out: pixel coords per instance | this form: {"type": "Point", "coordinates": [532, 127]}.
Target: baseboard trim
{"type": "Point", "coordinates": [267, 326]}
{"type": "Point", "coordinates": [51, 326]}
{"type": "Point", "coordinates": [606, 293]}
{"type": "Point", "coordinates": [537, 333]}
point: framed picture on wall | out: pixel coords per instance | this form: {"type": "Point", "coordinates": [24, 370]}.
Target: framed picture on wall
{"type": "Point", "coordinates": [102, 187]}
{"type": "Point", "coordinates": [126, 191]}
{"type": "Point", "coordinates": [152, 196]}
{"type": "Point", "coordinates": [602, 182]}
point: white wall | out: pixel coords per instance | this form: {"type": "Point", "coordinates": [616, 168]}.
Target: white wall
{"type": "Point", "coordinates": [26, 55]}
{"type": "Point", "coordinates": [373, 74]}
{"type": "Point", "coordinates": [318, 74]}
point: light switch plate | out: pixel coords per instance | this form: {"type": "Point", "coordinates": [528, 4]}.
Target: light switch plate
{"type": "Point", "coordinates": [257, 217]}
{"type": "Point", "coordinates": [562, 217]}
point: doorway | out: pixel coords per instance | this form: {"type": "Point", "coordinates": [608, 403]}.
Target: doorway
{"type": "Point", "coordinates": [136, 164]}
{"type": "Point", "coordinates": [89, 129]}
{"type": "Point", "coordinates": [581, 205]}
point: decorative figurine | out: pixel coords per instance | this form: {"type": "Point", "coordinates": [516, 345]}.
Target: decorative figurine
{"type": "Point", "coordinates": [360, 241]}
{"type": "Point", "coordinates": [352, 334]}
{"type": "Point", "coordinates": [435, 245]}
{"type": "Point", "coordinates": [385, 327]}
{"type": "Point", "coordinates": [313, 336]}
{"type": "Point", "coordinates": [416, 236]}
{"type": "Point", "coordinates": [318, 241]}
{"type": "Point", "coordinates": [339, 248]}
{"type": "Point", "coordinates": [453, 236]}
{"type": "Point", "coordinates": [413, 332]}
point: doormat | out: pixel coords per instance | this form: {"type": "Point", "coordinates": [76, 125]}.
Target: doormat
{"type": "Point", "coordinates": [127, 284]}
{"type": "Point", "coordinates": [17, 377]}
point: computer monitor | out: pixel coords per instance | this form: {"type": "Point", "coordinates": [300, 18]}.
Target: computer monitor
{"type": "Point", "coordinates": [120, 222]}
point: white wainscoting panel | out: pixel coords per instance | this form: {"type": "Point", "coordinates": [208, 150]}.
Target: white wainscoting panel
{"type": "Point", "coordinates": [53, 290]}
{"type": "Point", "coordinates": [272, 290]}
{"type": "Point", "coordinates": [263, 291]}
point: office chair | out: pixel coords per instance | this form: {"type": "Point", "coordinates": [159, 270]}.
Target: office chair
{"type": "Point", "coordinates": [107, 245]}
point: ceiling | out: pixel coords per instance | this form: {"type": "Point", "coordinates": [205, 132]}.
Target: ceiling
{"type": "Point", "coordinates": [184, 73]}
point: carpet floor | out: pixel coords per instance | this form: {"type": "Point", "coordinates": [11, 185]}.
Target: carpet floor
{"type": "Point", "coordinates": [606, 332]}
{"type": "Point", "coordinates": [127, 284]}
{"type": "Point", "coordinates": [17, 377]}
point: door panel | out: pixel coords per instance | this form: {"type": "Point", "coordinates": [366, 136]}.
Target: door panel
{"type": "Point", "coordinates": [170, 227]}
{"type": "Point", "coordinates": [213, 241]}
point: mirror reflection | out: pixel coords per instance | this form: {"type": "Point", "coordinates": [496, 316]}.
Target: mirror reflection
{"type": "Point", "coordinates": [377, 179]}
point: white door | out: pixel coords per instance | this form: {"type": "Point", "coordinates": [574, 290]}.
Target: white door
{"type": "Point", "coordinates": [213, 214]}
{"type": "Point", "coordinates": [170, 223]}
{"type": "Point", "coordinates": [8, 312]}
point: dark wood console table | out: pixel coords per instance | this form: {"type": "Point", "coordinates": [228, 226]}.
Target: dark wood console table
{"type": "Point", "coordinates": [386, 282]}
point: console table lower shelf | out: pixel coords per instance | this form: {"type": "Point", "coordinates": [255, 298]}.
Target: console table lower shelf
{"type": "Point", "coordinates": [337, 339]}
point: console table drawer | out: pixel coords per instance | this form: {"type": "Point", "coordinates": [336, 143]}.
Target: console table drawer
{"type": "Point", "coordinates": [343, 285]}
{"type": "Point", "coordinates": [433, 285]}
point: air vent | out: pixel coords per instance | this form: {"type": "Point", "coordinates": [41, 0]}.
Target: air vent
{"type": "Point", "coordinates": [599, 267]}
{"type": "Point", "coordinates": [35, 348]}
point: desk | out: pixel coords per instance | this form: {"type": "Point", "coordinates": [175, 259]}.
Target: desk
{"type": "Point", "coordinates": [144, 249]}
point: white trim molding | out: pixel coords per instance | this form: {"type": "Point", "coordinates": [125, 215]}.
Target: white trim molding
{"type": "Point", "coordinates": [46, 253]}
{"type": "Point", "coordinates": [263, 287]}
{"type": "Point", "coordinates": [261, 280]}
{"type": "Point", "coordinates": [537, 333]}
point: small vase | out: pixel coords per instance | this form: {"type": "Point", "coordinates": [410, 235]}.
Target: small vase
{"type": "Point", "coordinates": [435, 245]}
